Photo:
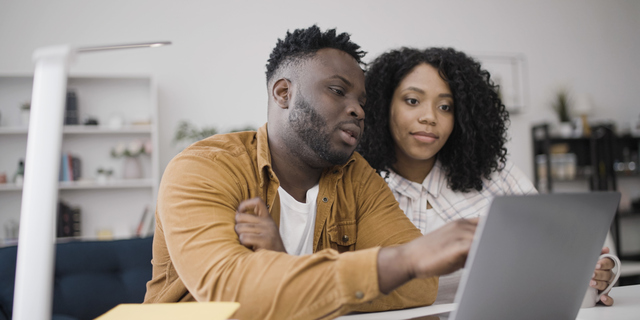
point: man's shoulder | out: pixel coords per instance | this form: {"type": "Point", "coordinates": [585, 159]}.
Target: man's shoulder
{"type": "Point", "coordinates": [233, 152]}
{"type": "Point", "coordinates": [222, 145]}
{"type": "Point", "coordinates": [357, 165]}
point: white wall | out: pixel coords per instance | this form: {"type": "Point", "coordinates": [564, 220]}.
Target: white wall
{"type": "Point", "coordinates": [214, 72]}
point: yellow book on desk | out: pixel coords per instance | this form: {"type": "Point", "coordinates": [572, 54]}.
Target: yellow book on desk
{"type": "Point", "coordinates": [162, 311]}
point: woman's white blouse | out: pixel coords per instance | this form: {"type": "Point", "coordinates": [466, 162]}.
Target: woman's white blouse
{"type": "Point", "coordinates": [448, 205]}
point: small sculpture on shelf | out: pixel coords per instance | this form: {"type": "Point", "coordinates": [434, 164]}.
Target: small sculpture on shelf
{"type": "Point", "coordinates": [90, 121]}
{"type": "Point", "coordinates": [132, 168]}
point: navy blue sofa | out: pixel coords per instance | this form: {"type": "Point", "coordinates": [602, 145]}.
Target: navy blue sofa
{"type": "Point", "coordinates": [91, 277]}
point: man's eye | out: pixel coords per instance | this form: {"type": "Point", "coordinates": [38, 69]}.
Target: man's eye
{"type": "Point", "coordinates": [337, 91]}
{"type": "Point", "coordinates": [412, 101]}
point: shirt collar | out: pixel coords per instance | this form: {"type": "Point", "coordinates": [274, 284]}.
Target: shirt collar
{"type": "Point", "coordinates": [264, 155]}
{"type": "Point", "coordinates": [432, 183]}
{"type": "Point", "coordinates": [435, 180]}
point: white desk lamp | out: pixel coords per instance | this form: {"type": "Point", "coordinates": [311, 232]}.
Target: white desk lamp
{"type": "Point", "coordinates": [36, 244]}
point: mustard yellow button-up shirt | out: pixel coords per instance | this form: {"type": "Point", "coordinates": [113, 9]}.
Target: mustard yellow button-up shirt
{"type": "Point", "coordinates": [197, 254]}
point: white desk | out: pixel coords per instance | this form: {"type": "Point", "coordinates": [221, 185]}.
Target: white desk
{"type": "Point", "coordinates": [626, 306]}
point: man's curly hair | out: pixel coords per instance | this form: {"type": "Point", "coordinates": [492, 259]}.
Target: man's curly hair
{"type": "Point", "coordinates": [304, 43]}
{"type": "Point", "coordinates": [475, 147]}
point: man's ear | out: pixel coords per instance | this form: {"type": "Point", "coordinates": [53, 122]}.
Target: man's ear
{"type": "Point", "coordinates": [281, 92]}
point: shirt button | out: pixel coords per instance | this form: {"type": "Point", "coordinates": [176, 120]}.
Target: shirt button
{"type": "Point", "coordinates": [345, 238]}
{"type": "Point", "coordinates": [268, 206]}
{"type": "Point", "coordinates": [359, 295]}
{"type": "Point", "coordinates": [325, 199]}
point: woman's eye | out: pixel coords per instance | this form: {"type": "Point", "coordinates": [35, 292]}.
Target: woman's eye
{"type": "Point", "coordinates": [337, 91]}
{"type": "Point", "coordinates": [412, 101]}
{"type": "Point", "coordinates": [445, 107]}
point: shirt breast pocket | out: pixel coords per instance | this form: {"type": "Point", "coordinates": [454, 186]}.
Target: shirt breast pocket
{"type": "Point", "coordinates": [343, 236]}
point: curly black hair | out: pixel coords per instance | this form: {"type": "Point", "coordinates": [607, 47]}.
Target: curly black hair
{"type": "Point", "coordinates": [475, 147]}
{"type": "Point", "coordinates": [304, 43]}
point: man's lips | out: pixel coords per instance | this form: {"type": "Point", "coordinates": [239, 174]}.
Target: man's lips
{"type": "Point", "coordinates": [350, 134]}
{"type": "Point", "coordinates": [423, 136]}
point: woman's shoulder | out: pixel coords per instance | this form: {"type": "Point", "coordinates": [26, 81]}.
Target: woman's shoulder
{"type": "Point", "coordinates": [509, 180]}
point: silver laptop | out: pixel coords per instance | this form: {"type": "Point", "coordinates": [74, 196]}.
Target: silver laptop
{"type": "Point", "coordinates": [533, 256]}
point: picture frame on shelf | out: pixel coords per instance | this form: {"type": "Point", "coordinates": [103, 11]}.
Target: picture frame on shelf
{"type": "Point", "coordinates": [509, 71]}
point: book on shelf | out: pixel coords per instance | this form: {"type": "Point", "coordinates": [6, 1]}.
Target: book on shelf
{"type": "Point", "coordinates": [70, 168]}
{"type": "Point", "coordinates": [71, 109]}
{"type": "Point", "coordinates": [147, 223]}
{"type": "Point", "coordinates": [140, 228]}
{"type": "Point", "coordinates": [68, 222]}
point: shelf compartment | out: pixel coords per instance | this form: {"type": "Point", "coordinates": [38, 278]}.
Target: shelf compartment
{"type": "Point", "coordinates": [90, 184]}
{"type": "Point", "coordinates": [81, 129]}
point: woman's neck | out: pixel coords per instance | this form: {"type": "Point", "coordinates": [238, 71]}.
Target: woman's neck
{"type": "Point", "coordinates": [412, 169]}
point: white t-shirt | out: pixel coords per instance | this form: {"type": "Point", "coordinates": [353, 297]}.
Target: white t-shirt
{"type": "Point", "coordinates": [297, 221]}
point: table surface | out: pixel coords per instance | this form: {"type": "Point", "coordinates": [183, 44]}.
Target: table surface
{"type": "Point", "coordinates": [626, 306]}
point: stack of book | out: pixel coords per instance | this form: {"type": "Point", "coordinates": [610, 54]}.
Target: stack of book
{"type": "Point", "coordinates": [68, 221]}
{"type": "Point", "coordinates": [70, 168]}
{"type": "Point", "coordinates": [147, 223]}
{"type": "Point", "coordinates": [71, 109]}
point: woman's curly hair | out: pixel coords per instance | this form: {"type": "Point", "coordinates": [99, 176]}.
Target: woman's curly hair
{"type": "Point", "coordinates": [475, 147]}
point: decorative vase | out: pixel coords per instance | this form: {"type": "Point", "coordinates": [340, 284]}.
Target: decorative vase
{"type": "Point", "coordinates": [565, 129]}
{"type": "Point", "coordinates": [132, 169]}
{"type": "Point", "coordinates": [24, 117]}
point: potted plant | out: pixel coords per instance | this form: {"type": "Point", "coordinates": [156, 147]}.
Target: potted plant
{"type": "Point", "coordinates": [25, 113]}
{"type": "Point", "coordinates": [562, 105]}
{"type": "Point", "coordinates": [187, 133]}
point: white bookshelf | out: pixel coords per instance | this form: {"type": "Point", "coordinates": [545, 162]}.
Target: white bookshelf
{"type": "Point", "coordinates": [115, 205]}
{"type": "Point", "coordinates": [82, 129]}
{"type": "Point", "coordinates": [90, 184]}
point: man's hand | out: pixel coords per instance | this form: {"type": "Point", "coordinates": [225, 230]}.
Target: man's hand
{"type": "Point", "coordinates": [602, 277]}
{"type": "Point", "coordinates": [437, 253]}
{"type": "Point", "coordinates": [255, 227]}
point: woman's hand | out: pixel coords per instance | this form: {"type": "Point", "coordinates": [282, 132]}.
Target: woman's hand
{"type": "Point", "coordinates": [602, 277]}
{"type": "Point", "coordinates": [255, 227]}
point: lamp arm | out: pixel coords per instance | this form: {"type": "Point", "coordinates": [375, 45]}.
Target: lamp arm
{"type": "Point", "coordinates": [36, 243]}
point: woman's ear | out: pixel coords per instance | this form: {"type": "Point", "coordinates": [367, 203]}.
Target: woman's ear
{"type": "Point", "coordinates": [282, 92]}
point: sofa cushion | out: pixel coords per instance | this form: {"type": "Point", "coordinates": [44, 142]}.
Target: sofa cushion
{"type": "Point", "coordinates": [7, 279]}
{"type": "Point", "coordinates": [91, 277]}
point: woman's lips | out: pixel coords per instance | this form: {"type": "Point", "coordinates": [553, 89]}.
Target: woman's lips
{"type": "Point", "coordinates": [426, 137]}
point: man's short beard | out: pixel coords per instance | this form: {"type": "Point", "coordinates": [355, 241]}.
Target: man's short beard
{"type": "Point", "coordinates": [312, 129]}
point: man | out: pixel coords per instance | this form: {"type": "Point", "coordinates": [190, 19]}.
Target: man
{"type": "Point", "coordinates": [226, 199]}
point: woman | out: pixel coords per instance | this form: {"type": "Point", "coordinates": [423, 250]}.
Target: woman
{"type": "Point", "coordinates": [436, 130]}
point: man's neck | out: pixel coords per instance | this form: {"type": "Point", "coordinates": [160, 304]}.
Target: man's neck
{"type": "Point", "coordinates": [295, 175]}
